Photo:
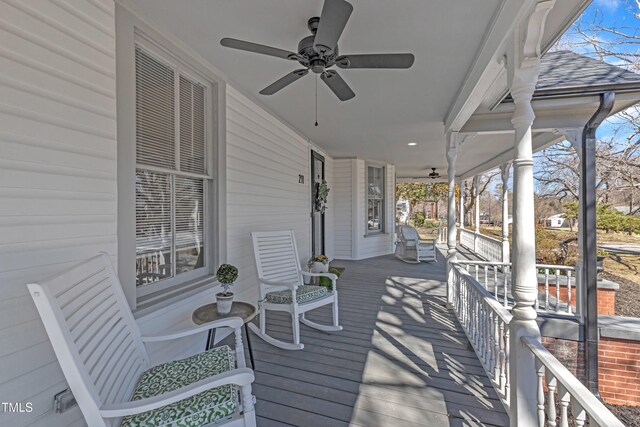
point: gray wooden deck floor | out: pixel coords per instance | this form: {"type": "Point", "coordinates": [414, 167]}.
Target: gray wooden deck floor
{"type": "Point", "coordinates": [401, 360]}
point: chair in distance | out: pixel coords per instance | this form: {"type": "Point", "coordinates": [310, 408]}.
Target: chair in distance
{"type": "Point", "coordinates": [412, 248]}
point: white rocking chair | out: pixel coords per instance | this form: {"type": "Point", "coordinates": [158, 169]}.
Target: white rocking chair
{"type": "Point", "coordinates": [411, 248]}
{"type": "Point", "coordinates": [104, 360]}
{"type": "Point", "coordinates": [282, 287]}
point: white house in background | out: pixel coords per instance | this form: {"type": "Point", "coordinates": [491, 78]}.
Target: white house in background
{"type": "Point", "coordinates": [556, 221]}
{"type": "Point", "coordinates": [126, 127]}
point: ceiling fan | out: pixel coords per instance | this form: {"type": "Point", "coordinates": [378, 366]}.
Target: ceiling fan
{"type": "Point", "coordinates": [433, 174]}
{"type": "Point", "coordinates": [319, 52]}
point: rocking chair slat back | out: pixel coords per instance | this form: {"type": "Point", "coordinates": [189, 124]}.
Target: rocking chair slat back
{"type": "Point", "coordinates": [97, 340]}
{"type": "Point", "coordinates": [277, 256]}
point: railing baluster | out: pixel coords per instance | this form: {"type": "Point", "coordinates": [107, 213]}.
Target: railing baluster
{"type": "Point", "coordinates": [569, 291]}
{"type": "Point", "coordinates": [486, 276]}
{"type": "Point", "coordinates": [579, 414]}
{"type": "Point", "coordinates": [565, 398]}
{"type": "Point", "coordinates": [551, 401]}
{"type": "Point", "coordinates": [505, 286]}
{"type": "Point", "coordinates": [496, 350]}
{"type": "Point", "coordinates": [507, 391]}
{"type": "Point", "coordinates": [540, 371]}
{"type": "Point", "coordinates": [546, 289]}
{"type": "Point", "coordinates": [557, 290]}
{"type": "Point", "coordinates": [503, 353]}
{"type": "Point", "coordinates": [495, 281]}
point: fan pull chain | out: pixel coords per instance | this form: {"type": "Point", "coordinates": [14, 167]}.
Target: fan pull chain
{"type": "Point", "coordinates": [316, 100]}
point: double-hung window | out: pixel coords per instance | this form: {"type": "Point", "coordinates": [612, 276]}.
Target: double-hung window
{"type": "Point", "coordinates": [173, 171]}
{"type": "Point", "coordinates": [375, 199]}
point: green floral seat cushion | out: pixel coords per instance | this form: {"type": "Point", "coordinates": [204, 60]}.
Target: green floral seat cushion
{"type": "Point", "coordinates": [210, 406]}
{"type": "Point", "coordinates": [304, 293]}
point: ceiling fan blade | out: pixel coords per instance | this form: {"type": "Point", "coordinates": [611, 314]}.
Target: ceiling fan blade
{"type": "Point", "coordinates": [258, 48]}
{"type": "Point", "coordinates": [284, 81]}
{"type": "Point", "coordinates": [333, 19]}
{"type": "Point", "coordinates": [337, 85]}
{"type": "Point", "coordinates": [376, 60]}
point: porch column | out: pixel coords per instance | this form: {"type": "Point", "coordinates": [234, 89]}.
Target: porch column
{"type": "Point", "coordinates": [452, 154]}
{"type": "Point", "coordinates": [476, 206]}
{"type": "Point", "coordinates": [523, 68]}
{"type": "Point", "coordinates": [504, 173]}
{"type": "Point", "coordinates": [461, 184]}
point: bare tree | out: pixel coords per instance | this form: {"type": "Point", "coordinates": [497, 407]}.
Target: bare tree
{"type": "Point", "coordinates": [618, 155]}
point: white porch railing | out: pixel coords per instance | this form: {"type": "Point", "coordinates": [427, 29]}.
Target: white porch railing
{"type": "Point", "coordinates": [486, 323]}
{"type": "Point", "coordinates": [442, 234]}
{"type": "Point", "coordinates": [485, 247]}
{"type": "Point", "coordinates": [467, 239]}
{"type": "Point", "coordinates": [577, 404]}
{"type": "Point", "coordinates": [488, 247]}
{"type": "Point", "coordinates": [495, 277]}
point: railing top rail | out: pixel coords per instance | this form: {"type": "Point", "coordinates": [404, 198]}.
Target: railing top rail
{"type": "Point", "coordinates": [492, 239]}
{"type": "Point", "coordinates": [470, 262]}
{"type": "Point", "coordinates": [557, 267]}
{"type": "Point", "coordinates": [596, 409]}
{"type": "Point", "coordinates": [486, 296]}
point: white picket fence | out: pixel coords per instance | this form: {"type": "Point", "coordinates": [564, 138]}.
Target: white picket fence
{"type": "Point", "coordinates": [486, 323]}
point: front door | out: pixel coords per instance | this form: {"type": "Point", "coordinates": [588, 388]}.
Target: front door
{"type": "Point", "coordinates": [317, 214]}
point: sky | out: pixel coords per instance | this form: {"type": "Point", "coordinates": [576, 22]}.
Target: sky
{"type": "Point", "coordinates": [619, 14]}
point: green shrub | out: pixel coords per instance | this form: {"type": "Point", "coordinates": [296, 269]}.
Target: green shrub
{"type": "Point", "coordinates": [418, 219]}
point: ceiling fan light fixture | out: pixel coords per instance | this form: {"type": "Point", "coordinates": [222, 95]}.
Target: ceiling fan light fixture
{"type": "Point", "coordinates": [434, 174]}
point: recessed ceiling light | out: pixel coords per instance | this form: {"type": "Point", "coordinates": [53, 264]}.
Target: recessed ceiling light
{"type": "Point", "coordinates": [412, 144]}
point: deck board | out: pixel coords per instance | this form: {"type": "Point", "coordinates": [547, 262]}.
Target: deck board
{"type": "Point", "coordinates": [402, 359]}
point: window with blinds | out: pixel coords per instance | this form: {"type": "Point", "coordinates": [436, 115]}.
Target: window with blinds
{"type": "Point", "coordinates": [171, 171]}
{"type": "Point", "coordinates": [375, 199]}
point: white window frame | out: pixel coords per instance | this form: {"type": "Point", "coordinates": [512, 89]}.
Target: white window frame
{"type": "Point", "coordinates": [383, 215]}
{"type": "Point", "coordinates": [132, 31]}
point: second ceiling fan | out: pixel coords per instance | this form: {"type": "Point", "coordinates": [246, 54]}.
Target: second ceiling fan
{"type": "Point", "coordinates": [319, 52]}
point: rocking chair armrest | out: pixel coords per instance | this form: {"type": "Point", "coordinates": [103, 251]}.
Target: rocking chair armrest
{"type": "Point", "coordinates": [241, 377]}
{"type": "Point", "coordinates": [289, 285]}
{"type": "Point", "coordinates": [231, 322]}
{"type": "Point", "coordinates": [428, 240]}
{"type": "Point", "coordinates": [331, 276]}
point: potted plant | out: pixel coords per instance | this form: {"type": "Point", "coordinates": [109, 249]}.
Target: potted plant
{"type": "Point", "coordinates": [226, 275]}
{"type": "Point", "coordinates": [318, 264]}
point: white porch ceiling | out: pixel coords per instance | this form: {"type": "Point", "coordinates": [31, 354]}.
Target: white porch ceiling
{"type": "Point", "coordinates": [391, 107]}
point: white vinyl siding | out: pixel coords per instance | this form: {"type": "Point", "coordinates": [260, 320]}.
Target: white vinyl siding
{"type": "Point", "coordinates": [343, 195]}
{"type": "Point", "coordinates": [58, 167]}
{"type": "Point", "coordinates": [352, 240]}
{"type": "Point", "coordinates": [264, 159]}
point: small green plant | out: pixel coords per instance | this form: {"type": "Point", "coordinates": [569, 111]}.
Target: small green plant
{"type": "Point", "coordinates": [325, 281]}
{"type": "Point", "coordinates": [602, 253]}
{"type": "Point", "coordinates": [226, 275]}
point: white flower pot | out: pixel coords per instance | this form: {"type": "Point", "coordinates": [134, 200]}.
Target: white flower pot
{"type": "Point", "coordinates": [224, 302]}
{"type": "Point", "coordinates": [319, 267]}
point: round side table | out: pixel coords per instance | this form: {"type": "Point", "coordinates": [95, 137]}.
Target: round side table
{"type": "Point", "coordinates": [209, 313]}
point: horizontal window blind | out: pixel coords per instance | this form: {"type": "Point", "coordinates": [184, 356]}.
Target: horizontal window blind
{"type": "Point", "coordinates": [170, 207]}
{"type": "Point", "coordinates": [153, 227]}
{"type": "Point", "coordinates": [189, 236]}
{"type": "Point", "coordinates": [155, 112]}
{"type": "Point", "coordinates": [192, 127]}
